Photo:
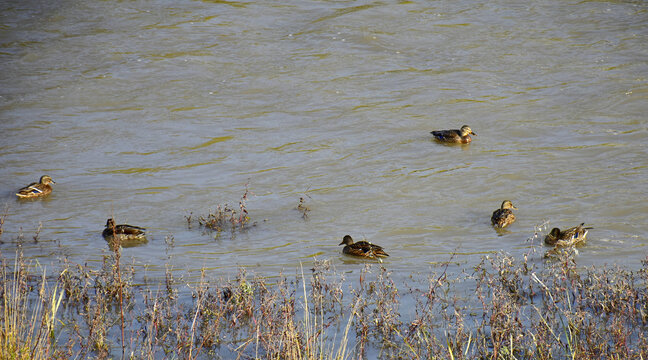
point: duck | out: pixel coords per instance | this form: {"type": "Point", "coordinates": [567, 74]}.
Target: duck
{"type": "Point", "coordinates": [127, 235]}
{"type": "Point", "coordinates": [40, 189]}
{"type": "Point", "coordinates": [461, 136]}
{"type": "Point", "coordinates": [362, 248]}
{"type": "Point", "coordinates": [503, 216]}
{"type": "Point", "coordinates": [568, 237]}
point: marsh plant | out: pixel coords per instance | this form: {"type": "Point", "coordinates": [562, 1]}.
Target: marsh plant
{"type": "Point", "coordinates": [503, 308]}
{"type": "Point", "coordinates": [27, 328]}
{"type": "Point", "coordinates": [224, 217]}
{"type": "Point", "coordinates": [303, 208]}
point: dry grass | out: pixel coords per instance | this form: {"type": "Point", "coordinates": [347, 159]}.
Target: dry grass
{"type": "Point", "coordinates": [28, 324]}
{"type": "Point", "coordinates": [224, 217]}
{"type": "Point", "coordinates": [503, 308]}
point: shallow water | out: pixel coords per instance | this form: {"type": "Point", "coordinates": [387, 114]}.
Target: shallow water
{"type": "Point", "coordinates": [150, 111]}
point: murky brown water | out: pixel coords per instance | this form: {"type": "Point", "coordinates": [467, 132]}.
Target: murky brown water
{"type": "Point", "coordinates": [151, 110]}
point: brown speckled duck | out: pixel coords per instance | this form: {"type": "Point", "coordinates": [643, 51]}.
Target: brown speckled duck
{"type": "Point", "coordinates": [127, 235]}
{"type": "Point", "coordinates": [461, 136]}
{"type": "Point", "coordinates": [503, 216]}
{"type": "Point", "coordinates": [39, 189]}
{"type": "Point", "coordinates": [569, 237]}
{"type": "Point", "coordinates": [362, 248]}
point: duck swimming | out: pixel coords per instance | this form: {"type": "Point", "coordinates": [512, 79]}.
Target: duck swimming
{"type": "Point", "coordinates": [503, 216]}
{"type": "Point", "coordinates": [362, 248]}
{"type": "Point", "coordinates": [461, 136]}
{"type": "Point", "coordinates": [39, 189]}
{"type": "Point", "coordinates": [569, 237]}
{"type": "Point", "coordinates": [127, 235]}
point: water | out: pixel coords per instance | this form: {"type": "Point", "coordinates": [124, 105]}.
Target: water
{"type": "Point", "coordinates": [150, 111]}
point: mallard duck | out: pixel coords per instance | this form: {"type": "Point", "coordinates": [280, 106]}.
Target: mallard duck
{"type": "Point", "coordinates": [127, 235]}
{"type": "Point", "coordinates": [362, 248]}
{"type": "Point", "coordinates": [503, 216]}
{"type": "Point", "coordinates": [569, 237]}
{"type": "Point", "coordinates": [33, 190]}
{"type": "Point", "coordinates": [461, 136]}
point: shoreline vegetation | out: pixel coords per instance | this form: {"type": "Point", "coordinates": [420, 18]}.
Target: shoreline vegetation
{"type": "Point", "coordinates": [513, 309]}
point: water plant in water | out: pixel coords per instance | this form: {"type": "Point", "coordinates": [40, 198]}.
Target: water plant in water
{"type": "Point", "coordinates": [27, 326]}
{"type": "Point", "coordinates": [303, 208]}
{"type": "Point", "coordinates": [503, 308]}
{"type": "Point", "coordinates": [224, 217]}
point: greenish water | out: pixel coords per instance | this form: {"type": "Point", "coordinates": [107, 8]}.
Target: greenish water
{"type": "Point", "coordinates": [150, 111]}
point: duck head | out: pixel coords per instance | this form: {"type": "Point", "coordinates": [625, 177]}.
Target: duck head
{"type": "Point", "coordinates": [347, 240]}
{"type": "Point", "coordinates": [465, 130]}
{"type": "Point", "coordinates": [507, 204]}
{"type": "Point", "coordinates": [46, 179]}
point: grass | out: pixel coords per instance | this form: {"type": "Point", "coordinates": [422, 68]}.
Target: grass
{"type": "Point", "coordinates": [507, 308]}
{"type": "Point", "coordinates": [28, 324]}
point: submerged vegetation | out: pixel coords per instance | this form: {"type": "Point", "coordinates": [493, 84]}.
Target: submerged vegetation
{"type": "Point", "coordinates": [503, 308]}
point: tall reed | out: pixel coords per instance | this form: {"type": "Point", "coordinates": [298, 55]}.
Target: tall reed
{"type": "Point", "coordinates": [28, 324]}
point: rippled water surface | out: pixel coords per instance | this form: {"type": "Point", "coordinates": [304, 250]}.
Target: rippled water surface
{"type": "Point", "coordinates": [151, 110]}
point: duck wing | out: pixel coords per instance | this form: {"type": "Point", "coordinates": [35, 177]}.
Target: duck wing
{"type": "Point", "coordinates": [369, 250]}
{"type": "Point", "coordinates": [31, 189]}
{"type": "Point", "coordinates": [129, 230]}
{"type": "Point", "coordinates": [447, 135]}
{"type": "Point", "coordinates": [575, 235]}
{"type": "Point", "coordinates": [572, 233]}
{"type": "Point", "coordinates": [502, 218]}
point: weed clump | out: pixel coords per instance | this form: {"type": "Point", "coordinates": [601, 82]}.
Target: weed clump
{"type": "Point", "coordinates": [303, 208]}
